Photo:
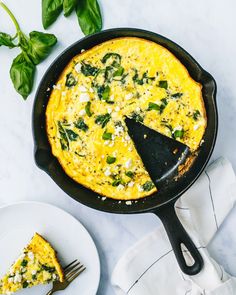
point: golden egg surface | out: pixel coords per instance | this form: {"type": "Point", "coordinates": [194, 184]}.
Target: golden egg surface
{"type": "Point", "coordinates": [98, 88]}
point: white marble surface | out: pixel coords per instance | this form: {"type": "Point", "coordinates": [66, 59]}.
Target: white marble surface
{"type": "Point", "coordinates": [205, 28]}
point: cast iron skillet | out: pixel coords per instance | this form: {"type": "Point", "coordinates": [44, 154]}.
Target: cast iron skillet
{"type": "Point", "coordinates": [161, 203]}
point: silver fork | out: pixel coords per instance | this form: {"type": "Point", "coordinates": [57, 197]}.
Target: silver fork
{"type": "Point", "coordinates": [71, 271]}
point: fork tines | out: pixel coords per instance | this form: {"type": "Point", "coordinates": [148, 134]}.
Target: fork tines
{"type": "Point", "coordinates": [73, 270]}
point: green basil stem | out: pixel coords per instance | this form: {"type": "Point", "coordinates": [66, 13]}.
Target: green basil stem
{"type": "Point", "coordinates": [8, 11]}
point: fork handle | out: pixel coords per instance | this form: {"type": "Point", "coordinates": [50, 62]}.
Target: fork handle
{"type": "Point", "coordinates": [50, 292]}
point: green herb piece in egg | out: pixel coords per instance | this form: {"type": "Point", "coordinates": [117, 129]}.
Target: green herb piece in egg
{"type": "Point", "coordinates": [148, 185]}
{"type": "Point", "coordinates": [111, 160]}
{"type": "Point", "coordinates": [80, 124]}
{"type": "Point", "coordinates": [163, 84]}
{"type": "Point", "coordinates": [103, 119]}
{"type": "Point", "coordinates": [70, 80]}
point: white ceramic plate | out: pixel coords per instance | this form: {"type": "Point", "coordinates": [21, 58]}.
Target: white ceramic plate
{"type": "Point", "coordinates": [18, 223]}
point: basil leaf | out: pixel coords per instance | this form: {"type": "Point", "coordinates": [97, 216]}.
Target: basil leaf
{"type": "Point", "coordinates": [107, 136]}
{"type": "Point", "coordinates": [158, 107]}
{"type": "Point", "coordinates": [177, 95]}
{"type": "Point", "coordinates": [148, 185]}
{"type": "Point", "coordinates": [40, 45]}
{"type": "Point", "coordinates": [88, 109]}
{"type": "Point", "coordinates": [80, 124]}
{"type": "Point", "coordinates": [70, 80]}
{"type": "Point", "coordinates": [130, 174]}
{"type": "Point", "coordinates": [178, 134]}
{"type": "Point", "coordinates": [89, 16]}
{"type": "Point", "coordinates": [69, 6]}
{"type": "Point", "coordinates": [163, 84]}
{"type": "Point", "coordinates": [88, 70]}
{"type": "Point", "coordinates": [22, 74]}
{"type": "Point", "coordinates": [111, 160]}
{"type": "Point", "coordinates": [115, 57]}
{"type": "Point", "coordinates": [196, 115]}
{"type": "Point", "coordinates": [103, 119]}
{"type": "Point", "coordinates": [118, 181]}
{"type": "Point", "coordinates": [71, 135]}
{"type": "Point", "coordinates": [6, 40]}
{"type": "Point", "coordinates": [50, 11]}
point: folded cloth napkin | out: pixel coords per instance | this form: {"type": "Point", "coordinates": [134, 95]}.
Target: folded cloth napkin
{"type": "Point", "coordinates": [150, 267]}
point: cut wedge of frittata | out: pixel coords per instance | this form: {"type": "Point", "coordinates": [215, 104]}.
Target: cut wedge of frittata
{"type": "Point", "coordinates": [38, 264]}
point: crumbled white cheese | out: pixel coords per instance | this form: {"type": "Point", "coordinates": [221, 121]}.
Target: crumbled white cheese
{"type": "Point", "coordinates": [82, 50]}
{"type": "Point", "coordinates": [129, 96]}
{"type": "Point", "coordinates": [84, 97]}
{"type": "Point", "coordinates": [33, 272]}
{"type": "Point", "coordinates": [117, 108]}
{"type": "Point", "coordinates": [178, 128]}
{"type": "Point", "coordinates": [119, 130]}
{"type": "Point", "coordinates": [138, 109]}
{"type": "Point", "coordinates": [17, 278]}
{"type": "Point", "coordinates": [78, 67]}
{"type": "Point", "coordinates": [111, 144]}
{"type": "Point", "coordinates": [145, 136]}
{"type": "Point", "coordinates": [10, 280]}
{"type": "Point", "coordinates": [128, 163]}
{"type": "Point", "coordinates": [54, 276]}
{"type": "Point", "coordinates": [63, 93]}
{"type": "Point", "coordinates": [106, 142]}
{"type": "Point", "coordinates": [112, 97]}
{"type": "Point", "coordinates": [9, 293]}
{"type": "Point", "coordinates": [127, 137]}
{"type": "Point", "coordinates": [140, 188]}
{"type": "Point", "coordinates": [120, 187]}
{"type": "Point", "coordinates": [58, 86]}
{"type": "Point", "coordinates": [103, 198]}
{"type": "Point", "coordinates": [107, 172]}
{"type": "Point", "coordinates": [31, 255]}
{"type": "Point", "coordinates": [131, 184]}
{"type": "Point", "coordinates": [195, 127]}
{"type": "Point", "coordinates": [22, 256]}
{"type": "Point", "coordinates": [109, 110]}
{"type": "Point", "coordinates": [82, 113]}
{"type": "Point", "coordinates": [128, 203]}
{"type": "Point", "coordinates": [130, 149]}
{"type": "Point", "coordinates": [114, 115]}
{"type": "Point", "coordinates": [82, 88]}
{"type": "Point", "coordinates": [103, 156]}
{"type": "Point", "coordinates": [91, 90]}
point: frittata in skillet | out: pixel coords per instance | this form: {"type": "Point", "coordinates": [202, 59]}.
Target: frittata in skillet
{"type": "Point", "coordinates": [36, 265]}
{"type": "Point", "coordinates": [98, 88]}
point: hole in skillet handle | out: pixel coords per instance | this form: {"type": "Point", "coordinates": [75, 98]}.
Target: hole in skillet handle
{"type": "Point", "coordinates": [180, 240]}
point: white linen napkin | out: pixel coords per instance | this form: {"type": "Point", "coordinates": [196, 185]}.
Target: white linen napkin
{"type": "Point", "coordinates": [150, 267]}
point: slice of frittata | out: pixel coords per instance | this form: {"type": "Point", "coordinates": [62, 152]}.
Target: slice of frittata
{"type": "Point", "coordinates": [38, 264]}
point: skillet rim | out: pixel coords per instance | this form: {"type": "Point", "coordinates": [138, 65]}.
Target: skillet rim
{"type": "Point", "coordinates": [88, 197]}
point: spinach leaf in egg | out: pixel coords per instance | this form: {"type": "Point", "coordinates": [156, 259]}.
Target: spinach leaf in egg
{"type": "Point", "coordinates": [148, 185]}
{"type": "Point", "coordinates": [103, 119]}
{"type": "Point", "coordinates": [107, 135]}
{"type": "Point", "coordinates": [178, 134]}
{"type": "Point", "coordinates": [88, 109]}
{"type": "Point", "coordinates": [116, 58]}
{"type": "Point", "coordinates": [196, 115]}
{"type": "Point", "coordinates": [163, 84]}
{"type": "Point", "coordinates": [70, 80]}
{"type": "Point", "coordinates": [80, 124]}
{"type": "Point", "coordinates": [111, 160]}
{"type": "Point", "coordinates": [88, 70]}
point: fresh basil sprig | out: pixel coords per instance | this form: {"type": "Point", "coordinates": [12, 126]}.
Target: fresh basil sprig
{"type": "Point", "coordinates": [88, 13]}
{"type": "Point", "coordinates": [34, 49]}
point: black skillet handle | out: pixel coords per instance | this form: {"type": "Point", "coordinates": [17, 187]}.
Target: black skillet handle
{"type": "Point", "coordinates": [177, 236]}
